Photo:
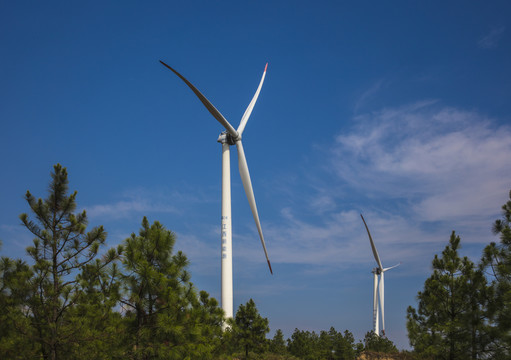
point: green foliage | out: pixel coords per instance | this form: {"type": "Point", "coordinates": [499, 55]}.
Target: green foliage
{"type": "Point", "coordinates": [165, 317]}
{"type": "Point", "coordinates": [137, 301]}
{"type": "Point", "coordinates": [344, 346]}
{"type": "Point", "coordinates": [100, 326]}
{"type": "Point", "coordinates": [373, 342]}
{"type": "Point", "coordinates": [448, 323]}
{"type": "Point", "coordinates": [61, 248]}
{"type": "Point", "coordinates": [278, 344]}
{"type": "Point", "coordinates": [496, 261]}
{"type": "Point", "coordinates": [71, 304]}
{"type": "Point", "coordinates": [328, 345]}
{"type": "Point", "coordinates": [13, 294]}
{"type": "Point", "coordinates": [303, 344]}
{"type": "Point", "coordinates": [460, 314]}
{"type": "Point", "coordinates": [249, 329]}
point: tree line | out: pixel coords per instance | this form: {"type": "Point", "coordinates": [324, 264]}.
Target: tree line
{"type": "Point", "coordinates": [135, 301]}
{"type": "Point", "coordinates": [72, 300]}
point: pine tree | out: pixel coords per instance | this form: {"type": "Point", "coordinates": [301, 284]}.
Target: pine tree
{"type": "Point", "coordinates": [325, 346]}
{"type": "Point", "coordinates": [166, 319]}
{"type": "Point", "coordinates": [496, 262]}
{"type": "Point", "coordinates": [373, 342]}
{"type": "Point", "coordinates": [101, 325]}
{"type": "Point", "coordinates": [249, 328]}
{"type": "Point", "coordinates": [13, 294]}
{"type": "Point", "coordinates": [62, 247]}
{"type": "Point", "coordinates": [304, 344]}
{"type": "Point", "coordinates": [345, 347]}
{"type": "Point", "coordinates": [447, 324]}
{"type": "Point", "coordinates": [278, 344]}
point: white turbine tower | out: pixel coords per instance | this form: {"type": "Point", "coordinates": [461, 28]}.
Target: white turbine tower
{"type": "Point", "coordinates": [228, 138]}
{"type": "Point", "coordinates": [378, 290]}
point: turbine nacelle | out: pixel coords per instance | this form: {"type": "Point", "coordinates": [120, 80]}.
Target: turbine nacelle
{"type": "Point", "coordinates": [226, 138]}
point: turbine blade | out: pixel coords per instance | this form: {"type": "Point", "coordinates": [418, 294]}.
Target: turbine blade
{"type": "Point", "coordinates": [392, 267]}
{"type": "Point", "coordinates": [247, 184]}
{"type": "Point", "coordinates": [375, 252]}
{"type": "Point", "coordinates": [250, 107]}
{"type": "Point", "coordinates": [213, 110]}
{"type": "Point", "coordinates": [382, 304]}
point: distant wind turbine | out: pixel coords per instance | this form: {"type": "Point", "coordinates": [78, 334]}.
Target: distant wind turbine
{"type": "Point", "coordinates": [378, 271]}
{"type": "Point", "coordinates": [228, 138]}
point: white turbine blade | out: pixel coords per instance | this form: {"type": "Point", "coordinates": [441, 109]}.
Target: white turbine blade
{"type": "Point", "coordinates": [375, 252]}
{"type": "Point", "coordinates": [247, 113]}
{"type": "Point", "coordinates": [247, 184]}
{"type": "Point", "coordinates": [382, 303]}
{"type": "Point", "coordinates": [392, 267]}
{"type": "Point", "coordinates": [213, 110]}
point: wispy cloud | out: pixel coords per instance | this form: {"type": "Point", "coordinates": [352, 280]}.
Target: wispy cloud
{"type": "Point", "coordinates": [126, 208]}
{"type": "Point", "coordinates": [447, 163]}
{"type": "Point", "coordinates": [340, 241]}
{"type": "Point", "coordinates": [368, 94]}
{"type": "Point", "coordinates": [491, 39]}
{"type": "Point", "coordinates": [202, 253]}
{"type": "Point", "coordinates": [142, 201]}
{"type": "Point", "coordinates": [418, 172]}
{"type": "Point", "coordinates": [15, 239]}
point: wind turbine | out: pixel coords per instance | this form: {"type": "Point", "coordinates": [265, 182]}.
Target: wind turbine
{"type": "Point", "coordinates": [378, 271]}
{"type": "Point", "coordinates": [228, 138]}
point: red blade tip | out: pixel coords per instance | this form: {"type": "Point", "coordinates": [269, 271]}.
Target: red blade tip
{"type": "Point", "coordinates": [271, 271]}
{"type": "Point", "coordinates": [265, 67]}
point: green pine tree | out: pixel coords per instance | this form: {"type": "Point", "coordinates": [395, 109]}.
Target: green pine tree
{"type": "Point", "coordinates": [345, 347]}
{"type": "Point", "coordinates": [304, 344]}
{"type": "Point", "coordinates": [278, 344]}
{"type": "Point", "coordinates": [496, 262]}
{"type": "Point", "coordinates": [326, 344]}
{"type": "Point", "coordinates": [62, 247]}
{"type": "Point", "coordinates": [373, 342]}
{"type": "Point", "coordinates": [165, 317]}
{"type": "Point", "coordinates": [101, 325]}
{"type": "Point", "coordinates": [446, 324]}
{"type": "Point", "coordinates": [13, 295]}
{"type": "Point", "coordinates": [249, 329]}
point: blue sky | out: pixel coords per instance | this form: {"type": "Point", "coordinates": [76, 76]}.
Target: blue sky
{"type": "Point", "coordinates": [400, 110]}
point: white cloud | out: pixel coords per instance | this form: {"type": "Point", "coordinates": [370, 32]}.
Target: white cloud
{"type": "Point", "coordinates": [125, 208]}
{"type": "Point", "coordinates": [204, 255]}
{"type": "Point", "coordinates": [340, 241]}
{"type": "Point", "coordinates": [418, 171]}
{"type": "Point", "coordinates": [368, 94]}
{"type": "Point", "coordinates": [491, 39]}
{"type": "Point", "coordinates": [446, 162]}
{"type": "Point", "coordinates": [143, 201]}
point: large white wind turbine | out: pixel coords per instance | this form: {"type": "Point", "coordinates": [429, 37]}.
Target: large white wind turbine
{"type": "Point", "coordinates": [378, 289]}
{"type": "Point", "coordinates": [228, 138]}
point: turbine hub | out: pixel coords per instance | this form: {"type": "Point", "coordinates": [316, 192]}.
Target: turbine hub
{"type": "Point", "coordinates": [226, 138]}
